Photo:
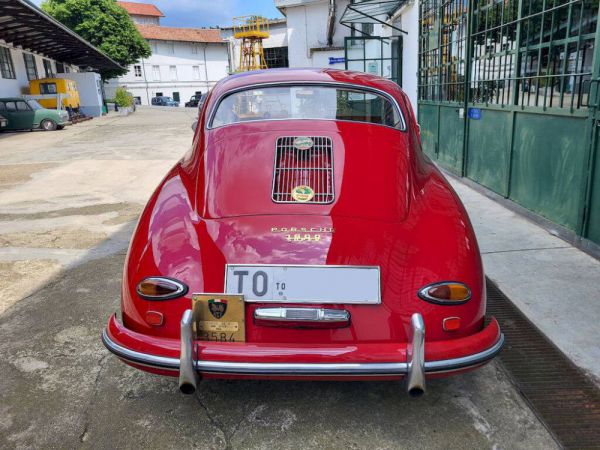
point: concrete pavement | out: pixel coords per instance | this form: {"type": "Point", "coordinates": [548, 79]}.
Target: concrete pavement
{"type": "Point", "coordinates": [553, 283]}
{"type": "Point", "coordinates": [68, 202]}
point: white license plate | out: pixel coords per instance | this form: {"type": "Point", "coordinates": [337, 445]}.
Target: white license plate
{"type": "Point", "coordinates": [304, 284]}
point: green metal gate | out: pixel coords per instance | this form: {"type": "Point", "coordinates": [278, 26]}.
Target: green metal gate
{"type": "Point", "coordinates": [508, 97]}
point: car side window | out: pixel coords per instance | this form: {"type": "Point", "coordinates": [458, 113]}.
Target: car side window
{"type": "Point", "coordinates": [10, 106]}
{"type": "Point", "coordinates": [22, 106]}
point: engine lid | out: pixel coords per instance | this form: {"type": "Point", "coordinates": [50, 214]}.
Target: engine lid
{"type": "Point", "coordinates": [305, 167]}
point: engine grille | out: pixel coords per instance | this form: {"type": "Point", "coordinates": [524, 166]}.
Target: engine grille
{"type": "Point", "coordinates": [298, 168]}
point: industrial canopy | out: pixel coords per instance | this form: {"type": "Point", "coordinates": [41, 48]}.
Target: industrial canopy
{"type": "Point", "coordinates": [371, 11]}
{"type": "Point", "coordinates": [25, 25]}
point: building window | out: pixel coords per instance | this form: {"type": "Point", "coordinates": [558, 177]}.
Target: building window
{"type": "Point", "coordinates": [173, 72]}
{"type": "Point", "coordinates": [7, 67]}
{"type": "Point", "coordinates": [48, 68]}
{"type": "Point", "coordinates": [276, 57]}
{"type": "Point", "coordinates": [30, 66]}
{"type": "Point", "coordinates": [171, 48]}
{"type": "Point", "coordinates": [154, 46]}
{"type": "Point", "coordinates": [156, 73]}
{"type": "Point", "coordinates": [60, 67]}
{"type": "Point", "coordinates": [67, 69]}
{"type": "Point", "coordinates": [196, 72]}
{"type": "Point", "coordinates": [195, 49]}
{"type": "Point", "coordinates": [137, 70]}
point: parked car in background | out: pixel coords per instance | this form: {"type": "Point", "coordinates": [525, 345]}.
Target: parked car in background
{"type": "Point", "coordinates": [164, 101]}
{"type": "Point", "coordinates": [305, 236]}
{"type": "Point", "coordinates": [29, 114]}
{"type": "Point", "coordinates": [195, 101]}
{"type": "Point", "coordinates": [3, 123]}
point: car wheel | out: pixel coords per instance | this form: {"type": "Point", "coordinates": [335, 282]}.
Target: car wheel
{"type": "Point", "coordinates": [60, 127]}
{"type": "Point", "coordinates": [48, 125]}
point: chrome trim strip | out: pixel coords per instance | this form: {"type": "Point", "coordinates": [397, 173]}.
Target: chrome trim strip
{"type": "Point", "coordinates": [248, 87]}
{"type": "Point", "coordinates": [415, 355]}
{"type": "Point", "coordinates": [358, 369]}
{"type": "Point", "coordinates": [311, 315]}
{"type": "Point", "coordinates": [378, 302]}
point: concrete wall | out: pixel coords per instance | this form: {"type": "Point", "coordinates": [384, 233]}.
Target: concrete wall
{"type": "Point", "coordinates": [20, 85]}
{"type": "Point", "coordinates": [307, 29]}
{"type": "Point", "coordinates": [211, 61]}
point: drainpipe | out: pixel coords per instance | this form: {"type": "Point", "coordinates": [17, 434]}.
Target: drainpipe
{"type": "Point", "coordinates": [330, 23]}
{"type": "Point", "coordinates": [145, 81]}
{"type": "Point", "coordinates": [205, 65]}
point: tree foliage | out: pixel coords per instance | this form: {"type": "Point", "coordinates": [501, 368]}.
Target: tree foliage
{"type": "Point", "coordinates": [105, 25]}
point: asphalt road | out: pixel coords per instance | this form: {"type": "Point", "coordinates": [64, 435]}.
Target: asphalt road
{"type": "Point", "coordinates": [68, 203]}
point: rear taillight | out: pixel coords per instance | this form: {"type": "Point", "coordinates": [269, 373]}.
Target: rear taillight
{"type": "Point", "coordinates": [161, 288]}
{"type": "Point", "coordinates": [446, 293]}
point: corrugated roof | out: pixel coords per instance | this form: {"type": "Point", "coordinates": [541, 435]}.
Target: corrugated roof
{"type": "Point", "coordinates": [180, 34]}
{"type": "Point", "coordinates": [24, 24]}
{"type": "Point", "coordinates": [141, 9]}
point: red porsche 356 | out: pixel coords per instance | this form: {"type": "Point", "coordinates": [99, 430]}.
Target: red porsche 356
{"type": "Point", "coordinates": [304, 236]}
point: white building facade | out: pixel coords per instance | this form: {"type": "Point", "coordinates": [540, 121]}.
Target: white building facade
{"type": "Point", "coordinates": [340, 34]}
{"type": "Point", "coordinates": [184, 61]}
{"type": "Point", "coordinates": [18, 67]}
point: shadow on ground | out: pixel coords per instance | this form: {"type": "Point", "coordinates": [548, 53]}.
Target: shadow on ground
{"type": "Point", "coordinates": [61, 388]}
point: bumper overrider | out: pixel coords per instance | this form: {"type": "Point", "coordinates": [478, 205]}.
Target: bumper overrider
{"type": "Point", "coordinates": [190, 359]}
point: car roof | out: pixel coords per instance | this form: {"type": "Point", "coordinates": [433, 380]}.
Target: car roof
{"type": "Point", "coordinates": [306, 75]}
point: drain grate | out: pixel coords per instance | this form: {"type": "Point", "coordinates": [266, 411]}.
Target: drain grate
{"type": "Point", "coordinates": [564, 399]}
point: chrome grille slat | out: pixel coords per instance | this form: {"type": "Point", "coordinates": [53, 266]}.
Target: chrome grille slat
{"type": "Point", "coordinates": [312, 167]}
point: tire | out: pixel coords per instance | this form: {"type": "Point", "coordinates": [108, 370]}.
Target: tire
{"type": "Point", "coordinates": [60, 127]}
{"type": "Point", "coordinates": [48, 125]}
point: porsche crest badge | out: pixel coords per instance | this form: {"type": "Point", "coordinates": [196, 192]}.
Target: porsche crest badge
{"type": "Point", "coordinates": [303, 143]}
{"type": "Point", "coordinates": [303, 193]}
{"type": "Point", "coordinates": [217, 307]}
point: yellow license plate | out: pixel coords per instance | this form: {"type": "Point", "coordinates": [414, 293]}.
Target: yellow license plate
{"type": "Point", "coordinates": [219, 317]}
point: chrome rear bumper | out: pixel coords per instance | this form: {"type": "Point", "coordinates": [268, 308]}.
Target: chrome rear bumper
{"type": "Point", "coordinates": [304, 369]}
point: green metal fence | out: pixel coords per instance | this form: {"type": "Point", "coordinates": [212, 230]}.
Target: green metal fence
{"type": "Point", "coordinates": [508, 96]}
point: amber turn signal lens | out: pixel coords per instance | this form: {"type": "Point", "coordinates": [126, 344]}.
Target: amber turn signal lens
{"type": "Point", "coordinates": [160, 288]}
{"type": "Point", "coordinates": [446, 293]}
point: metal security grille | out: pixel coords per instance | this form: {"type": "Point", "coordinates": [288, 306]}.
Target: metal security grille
{"type": "Point", "coordinates": [530, 53]}
{"type": "Point", "coordinates": [312, 167]}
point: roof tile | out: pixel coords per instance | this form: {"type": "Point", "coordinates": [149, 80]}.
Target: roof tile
{"type": "Point", "coordinates": [141, 9]}
{"type": "Point", "coordinates": [161, 33]}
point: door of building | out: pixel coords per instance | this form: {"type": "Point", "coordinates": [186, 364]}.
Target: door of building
{"type": "Point", "coordinates": [176, 96]}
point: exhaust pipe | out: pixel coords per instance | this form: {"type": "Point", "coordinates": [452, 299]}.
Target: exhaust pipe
{"type": "Point", "coordinates": [188, 376]}
{"type": "Point", "coordinates": [415, 357]}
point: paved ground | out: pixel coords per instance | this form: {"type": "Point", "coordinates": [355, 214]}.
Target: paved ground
{"type": "Point", "coordinates": [553, 283]}
{"type": "Point", "coordinates": [68, 201]}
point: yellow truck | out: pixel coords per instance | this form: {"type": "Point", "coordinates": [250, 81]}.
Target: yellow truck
{"type": "Point", "coordinates": [54, 86]}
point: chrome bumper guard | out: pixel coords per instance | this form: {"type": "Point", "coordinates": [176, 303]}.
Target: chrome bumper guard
{"type": "Point", "coordinates": [414, 368]}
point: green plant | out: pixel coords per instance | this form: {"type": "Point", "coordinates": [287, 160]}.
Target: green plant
{"type": "Point", "coordinates": [123, 98]}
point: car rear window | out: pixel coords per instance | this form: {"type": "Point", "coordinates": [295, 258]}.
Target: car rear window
{"type": "Point", "coordinates": [307, 102]}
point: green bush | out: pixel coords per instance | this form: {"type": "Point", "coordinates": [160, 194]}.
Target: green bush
{"type": "Point", "coordinates": [123, 98]}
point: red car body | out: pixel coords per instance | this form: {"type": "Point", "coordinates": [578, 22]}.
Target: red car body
{"type": "Point", "coordinates": [392, 209]}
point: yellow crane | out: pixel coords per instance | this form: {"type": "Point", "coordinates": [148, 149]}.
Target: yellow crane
{"type": "Point", "coordinates": [251, 30]}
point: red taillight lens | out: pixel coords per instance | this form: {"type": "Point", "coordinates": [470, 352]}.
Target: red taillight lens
{"type": "Point", "coordinates": [446, 293]}
{"type": "Point", "coordinates": [160, 288]}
